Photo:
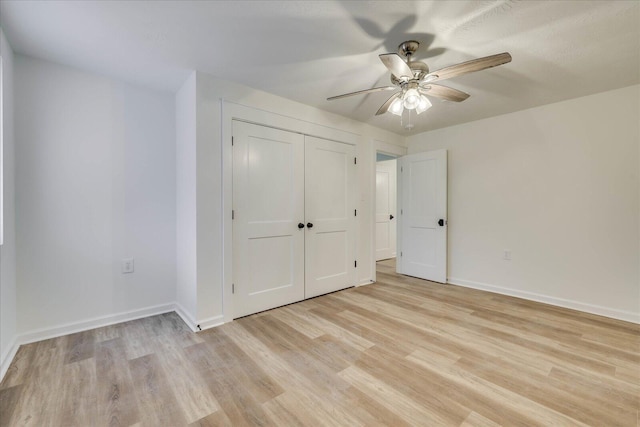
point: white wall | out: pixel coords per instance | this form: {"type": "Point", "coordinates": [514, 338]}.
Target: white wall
{"type": "Point", "coordinates": [8, 315]}
{"type": "Point", "coordinates": [95, 164]}
{"type": "Point", "coordinates": [186, 295]}
{"type": "Point", "coordinates": [209, 185]}
{"type": "Point", "coordinates": [558, 185]}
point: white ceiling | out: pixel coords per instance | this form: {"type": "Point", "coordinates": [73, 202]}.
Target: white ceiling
{"type": "Point", "coordinates": [310, 50]}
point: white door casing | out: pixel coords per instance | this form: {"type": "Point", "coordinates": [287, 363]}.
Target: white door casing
{"type": "Point", "coordinates": [386, 214]}
{"type": "Point", "coordinates": [268, 204]}
{"type": "Point", "coordinates": [330, 208]}
{"type": "Point", "coordinates": [380, 147]}
{"type": "Point", "coordinates": [423, 203]}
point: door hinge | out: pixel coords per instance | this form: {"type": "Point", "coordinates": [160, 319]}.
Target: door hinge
{"type": "Point", "coordinates": [355, 160]}
{"type": "Point", "coordinates": [400, 253]}
{"type": "Point", "coordinates": [401, 169]}
{"type": "Point", "coordinates": [401, 212]}
{"type": "Point", "coordinates": [233, 288]}
{"type": "Point", "coordinates": [233, 214]}
{"type": "Point", "coordinates": [355, 212]}
{"type": "Point", "coordinates": [355, 264]}
{"type": "Point", "coordinates": [232, 141]}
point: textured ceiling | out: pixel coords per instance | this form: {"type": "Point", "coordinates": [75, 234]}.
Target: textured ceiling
{"type": "Point", "coordinates": [307, 50]}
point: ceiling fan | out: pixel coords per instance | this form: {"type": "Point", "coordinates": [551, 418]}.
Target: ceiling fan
{"type": "Point", "coordinates": [414, 80]}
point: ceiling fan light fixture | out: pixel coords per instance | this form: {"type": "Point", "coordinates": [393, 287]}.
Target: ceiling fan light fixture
{"type": "Point", "coordinates": [411, 99]}
{"type": "Point", "coordinates": [424, 104]}
{"type": "Point", "coordinates": [396, 107]}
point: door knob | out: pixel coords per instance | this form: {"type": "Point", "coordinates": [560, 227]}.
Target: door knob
{"type": "Point", "coordinates": [441, 222]}
{"type": "Point", "coordinates": [390, 217]}
{"type": "Point", "coordinates": [300, 225]}
{"type": "Point", "coordinates": [309, 225]}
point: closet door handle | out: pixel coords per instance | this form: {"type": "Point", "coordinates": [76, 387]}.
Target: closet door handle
{"type": "Point", "coordinates": [309, 225]}
{"type": "Point", "coordinates": [300, 225]}
{"type": "Point", "coordinates": [390, 217]}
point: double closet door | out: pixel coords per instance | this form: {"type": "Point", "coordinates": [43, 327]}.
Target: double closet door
{"type": "Point", "coordinates": [294, 217]}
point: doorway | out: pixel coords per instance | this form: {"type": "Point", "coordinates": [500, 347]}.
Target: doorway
{"type": "Point", "coordinates": [386, 207]}
{"type": "Point", "coordinates": [420, 218]}
{"type": "Point", "coordinates": [383, 152]}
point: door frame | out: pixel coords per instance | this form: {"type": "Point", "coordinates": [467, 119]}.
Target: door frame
{"type": "Point", "coordinates": [390, 150]}
{"type": "Point", "coordinates": [390, 165]}
{"type": "Point", "coordinates": [231, 111]}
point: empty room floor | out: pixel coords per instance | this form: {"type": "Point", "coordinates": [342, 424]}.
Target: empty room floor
{"type": "Point", "coordinates": [402, 351]}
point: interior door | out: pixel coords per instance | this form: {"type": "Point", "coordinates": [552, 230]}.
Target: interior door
{"type": "Point", "coordinates": [423, 219]}
{"type": "Point", "coordinates": [386, 209]}
{"type": "Point", "coordinates": [268, 204]}
{"type": "Point", "coordinates": [330, 214]}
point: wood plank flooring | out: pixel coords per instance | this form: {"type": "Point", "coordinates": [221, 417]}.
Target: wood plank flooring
{"type": "Point", "coordinates": [398, 352]}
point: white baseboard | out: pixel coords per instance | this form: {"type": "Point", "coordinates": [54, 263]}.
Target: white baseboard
{"type": "Point", "coordinates": [7, 358]}
{"type": "Point", "coordinates": [71, 328]}
{"type": "Point", "coordinates": [627, 316]}
{"type": "Point", "coordinates": [198, 325]}
{"type": "Point", "coordinates": [364, 282]}
{"type": "Point", "coordinates": [186, 317]}
{"type": "Point", "coordinates": [210, 322]}
{"type": "Point", "coordinates": [96, 322]}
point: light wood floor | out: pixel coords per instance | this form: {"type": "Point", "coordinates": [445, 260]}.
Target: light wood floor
{"type": "Point", "coordinates": [399, 352]}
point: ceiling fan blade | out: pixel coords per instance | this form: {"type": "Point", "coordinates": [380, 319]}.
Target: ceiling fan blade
{"type": "Point", "coordinates": [383, 109]}
{"type": "Point", "coordinates": [362, 92]}
{"type": "Point", "coordinates": [444, 92]}
{"type": "Point", "coordinates": [468, 67]}
{"type": "Point", "coordinates": [396, 65]}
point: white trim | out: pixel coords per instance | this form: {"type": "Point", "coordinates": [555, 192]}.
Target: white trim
{"type": "Point", "coordinates": [96, 322]}
{"type": "Point", "coordinates": [186, 318]}
{"type": "Point", "coordinates": [210, 322]}
{"type": "Point", "coordinates": [390, 149]}
{"type": "Point", "coordinates": [8, 358]}
{"type": "Point", "coordinates": [365, 283]}
{"type": "Point", "coordinates": [627, 316]}
{"type": "Point", "coordinates": [233, 111]}
{"type": "Point", "coordinates": [84, 325]}
{"type": "Point", "coordinates": [2, 126]}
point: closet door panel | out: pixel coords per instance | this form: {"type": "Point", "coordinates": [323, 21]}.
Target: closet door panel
{"type": "Point", "coordinates": [330, 216]}
{"type": "Point", "coordinates": [268, 203]}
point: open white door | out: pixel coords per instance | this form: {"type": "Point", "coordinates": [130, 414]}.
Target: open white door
{"type": "Point", "coordinates": [386, 209]}
{"type": "Point", "coordinates": [268, 203]}
{"type": "Point", "coordinates": [330, 213]}
{"type": "Point", "coordinates": [423, 220]}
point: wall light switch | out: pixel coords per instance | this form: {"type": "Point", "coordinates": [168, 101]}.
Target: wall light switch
{"type": "Point", "coordinates": [127, 265]}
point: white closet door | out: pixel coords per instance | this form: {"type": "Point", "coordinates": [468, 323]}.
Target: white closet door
{"type": "Point", "coordinates": [268, 203]}
{"type": "Point", "coordinates": [330, 216]}
{"type": "Point", "coordinates": [423, 226]}
{"type": "Point", "coordinates": [385, 209]}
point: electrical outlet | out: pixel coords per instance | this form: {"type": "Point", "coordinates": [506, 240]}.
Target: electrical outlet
{"type": "Point", "coordinates": [127, 265]}
{"type": "Point", "coordinates": [507, 255]}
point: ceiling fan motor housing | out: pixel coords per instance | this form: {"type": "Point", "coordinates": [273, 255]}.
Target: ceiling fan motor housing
{"type": "Point", "coordinates": [419, 68]}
